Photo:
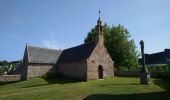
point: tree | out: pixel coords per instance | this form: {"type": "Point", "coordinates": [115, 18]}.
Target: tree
{"type": "Point", "coordinates": [120, 46]}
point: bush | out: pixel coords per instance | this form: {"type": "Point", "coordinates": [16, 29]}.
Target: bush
{"type": "Point", "coordinates": [168, 62]}
{"type": "Point", "coordinates": [123, 68]}
{"type": "Point", "coordinates": [8, 66]}
{"type": "Point", "coordinates": [158, 68]}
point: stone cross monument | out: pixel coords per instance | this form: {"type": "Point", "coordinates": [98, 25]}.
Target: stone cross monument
{"type": "Point", "coordinates": [144, 73]}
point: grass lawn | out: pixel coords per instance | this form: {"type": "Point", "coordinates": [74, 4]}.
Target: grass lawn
{"type": "Point", "coordinates": [113, 88]}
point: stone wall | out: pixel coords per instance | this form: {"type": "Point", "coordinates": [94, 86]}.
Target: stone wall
{"type": "Point", "coordinates": [99, 56]}
{"type": "Point", "coordinates": [127, 73]}
{"type": "Point", "coordinates": [75, 70]}
{"type": "Point", "coordinates": [21, 69]}
{"type": "Point", "coordinates": [7, 78]}
{"type": "Point", "coordinates": [24, 70]}
{"type": "Point", "coordinates": [38, 70]}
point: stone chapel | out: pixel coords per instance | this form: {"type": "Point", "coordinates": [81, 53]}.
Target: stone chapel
{"type": "Point", "coordinates": [88, 61]}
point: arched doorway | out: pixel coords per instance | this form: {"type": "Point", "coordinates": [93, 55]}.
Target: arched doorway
{"type": "Point", "coordinates": [100, 72]}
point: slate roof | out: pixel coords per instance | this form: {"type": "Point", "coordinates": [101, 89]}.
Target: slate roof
{"type": "Point", "coordinates": [78, 53]}
{"type": "Point", "coordinates": [42, 55]}
{"type": "Point", "coordinates": [157, 58]}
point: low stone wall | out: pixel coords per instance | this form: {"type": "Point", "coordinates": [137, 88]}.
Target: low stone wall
{"type": "Point", "coordinates": [127, 73]}
{"type": "Point", "coordinates": [7, 78]}
{"type": "Point", "coordinates": [136, 74]}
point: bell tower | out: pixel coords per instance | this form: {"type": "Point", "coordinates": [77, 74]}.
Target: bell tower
{"type": "Point", "coordinates": [99, 30]}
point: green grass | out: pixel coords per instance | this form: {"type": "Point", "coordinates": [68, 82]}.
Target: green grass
{"type": "Point", "coordinates": [114, 88]}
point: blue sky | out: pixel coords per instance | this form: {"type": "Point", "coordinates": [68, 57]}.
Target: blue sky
{"type": "Point", "coordinates": [61, 24]}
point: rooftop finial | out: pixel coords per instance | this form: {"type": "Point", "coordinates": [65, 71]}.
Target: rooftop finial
{"type": "Point", "coordinates": [99, 21]}
{"type": "Point", "coordinates": [99, 13]}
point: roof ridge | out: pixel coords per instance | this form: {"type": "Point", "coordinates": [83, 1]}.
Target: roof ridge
{"type": "Point", "coordinates": [44, 48]}
{"type": "Point", "coordinates": [156, 53]}
{"type": "Point", "coordinates": [77, 53]}
{"type": "Point", "coordinates": [42, 55]}
{"type": "Point", "coordinates": [79, 45]}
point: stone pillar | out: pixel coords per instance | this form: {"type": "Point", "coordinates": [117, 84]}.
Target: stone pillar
{"type": "Point", "coordinates": [144, 73]}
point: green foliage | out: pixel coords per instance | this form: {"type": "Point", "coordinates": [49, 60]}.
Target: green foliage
{"type": "Point", "coordinates": [159, 68]}
{"type": "Point", "coordinates": [128, 69]}
{"type": "Point", "coordinates": [168, 62]}
{"type": "Point", "coordinates": [120, 46]}
{"type": "Point", "coordinates": [6, 66]}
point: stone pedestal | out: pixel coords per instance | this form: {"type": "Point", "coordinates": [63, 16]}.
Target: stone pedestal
{"type": "Point", "coordinates": [144, 78]}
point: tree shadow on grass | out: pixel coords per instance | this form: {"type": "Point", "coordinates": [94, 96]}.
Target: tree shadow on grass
{"type": "Point", "coordinates": [164, 83]}
{"type": "Point", "coordinates": [60, 80]}
{"type": "Point", "coordinates": [138, 96]}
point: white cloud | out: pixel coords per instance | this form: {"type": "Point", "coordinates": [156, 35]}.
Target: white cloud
{"type": "Point", "coordinates": [51, 41]}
